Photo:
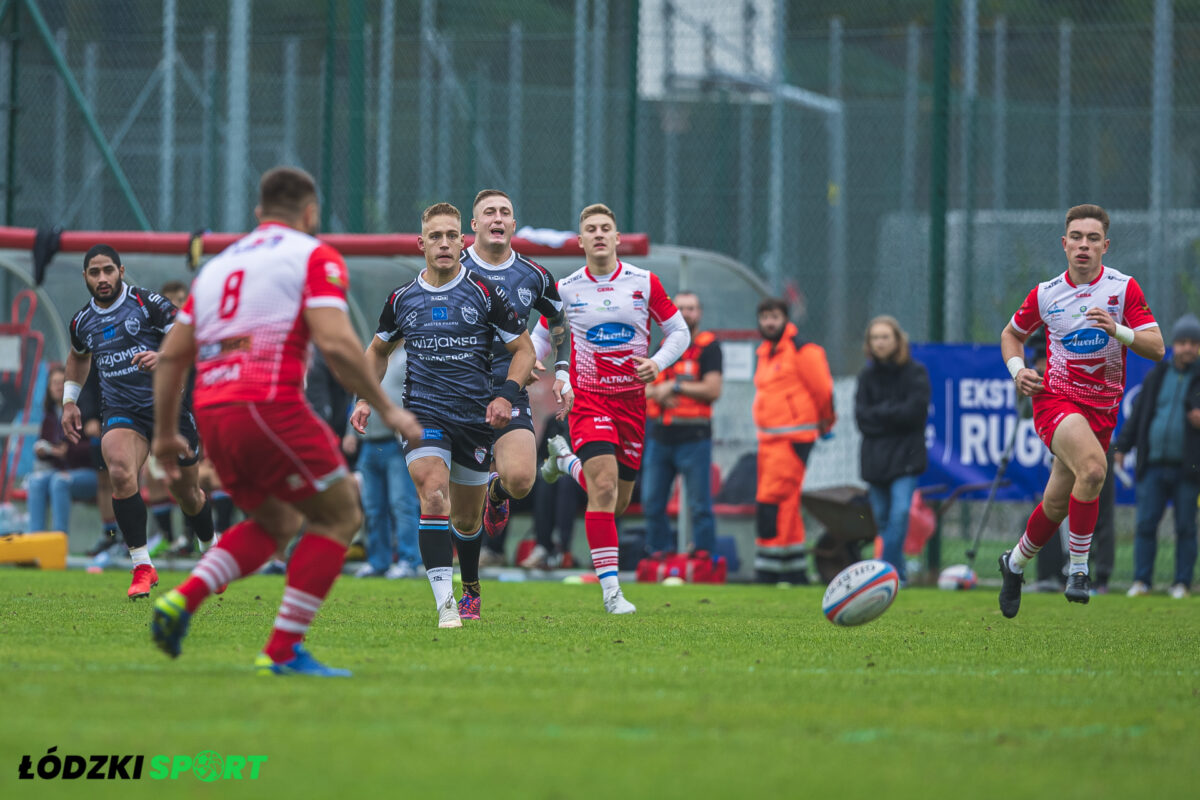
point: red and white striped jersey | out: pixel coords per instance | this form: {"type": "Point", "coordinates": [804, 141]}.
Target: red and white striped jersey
{"type": "Point", "coordinates": [610, 318]}
{"type": "Point", "coordinates": [247, 306]}
{"type": "Point", "coordinates": [1084, 363]}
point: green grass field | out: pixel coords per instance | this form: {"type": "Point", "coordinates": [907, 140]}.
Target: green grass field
{"type": "Point", "coordinates": [726, 691]}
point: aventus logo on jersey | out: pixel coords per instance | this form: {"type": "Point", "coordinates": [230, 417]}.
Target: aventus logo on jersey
{"type": "Point", "coordinates": [1088, 340]}
{"type": "Point", "coordinates": [610, 333]}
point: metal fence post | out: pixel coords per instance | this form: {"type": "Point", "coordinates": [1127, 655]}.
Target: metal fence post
{"type": "Point", "coordinates": [166, 153]}
{"type": "Point", "coordinates": [516, 63]}
{"type": "Point", "coordinates": [1000, 116]}
{"type": "Point", "coordinates": [291, 81]}
{"type": "Point", "coordinates": [383, 134]}
{"type": "Point", "coordinates": [1157, 267]}
{"type": "Point", "coordinates": [596, 118]}
{"type": "Point", "coordinates": [912, 99]}
{"type": "Point", "coordinates": [579, 132]}
{"type": "Point", "coordinates": [1064, 113]}
{"type": "Point", "coordinates": [237, 138]}
{"type": "Point", "coordinates": [836, 198]}
{"type": "Point", "coordinates": [775, 179]}
{"type": "Point", "coordinates": [58, 203]}
{"type": "Point", "coordinates": [425, 120]}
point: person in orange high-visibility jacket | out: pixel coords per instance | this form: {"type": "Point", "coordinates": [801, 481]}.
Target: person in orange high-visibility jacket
{"type": "Point", "coordinates": [793, 406]}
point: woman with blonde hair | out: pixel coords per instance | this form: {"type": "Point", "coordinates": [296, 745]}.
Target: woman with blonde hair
{"type": "Point", "coordinates": [890, 407]}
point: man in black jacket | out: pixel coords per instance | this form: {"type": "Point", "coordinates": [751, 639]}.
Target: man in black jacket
{"type": "Point", "coordinates": [1165, 429]}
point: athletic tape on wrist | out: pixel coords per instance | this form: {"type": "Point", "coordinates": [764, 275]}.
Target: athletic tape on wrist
{"type": "Point", "coordinates": [1015, 365]}
{"type": "Point", "coordinates": [71, 391]}
{"type": "Point", "coordinates": [1124, 335]}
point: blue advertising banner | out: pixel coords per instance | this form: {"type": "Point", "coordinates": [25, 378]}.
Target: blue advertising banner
{"type": "Point", "coordinates": [972, 416]}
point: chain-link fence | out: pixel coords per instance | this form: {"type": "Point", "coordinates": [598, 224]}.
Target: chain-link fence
{"type": "Point", "coordinates": [795, 138]}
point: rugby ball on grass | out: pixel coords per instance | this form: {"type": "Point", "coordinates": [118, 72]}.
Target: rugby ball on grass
{"type": "Point", "coordinates": [957, 577]}
{"type": "Point", "coordinates": [860, 593]}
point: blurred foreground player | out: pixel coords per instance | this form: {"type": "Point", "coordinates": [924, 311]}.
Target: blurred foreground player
{"type": "Point", "coordinates": [246, 326]}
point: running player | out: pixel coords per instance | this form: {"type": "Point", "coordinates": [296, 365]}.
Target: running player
{"type": "Point", "coordinates": [1092, 313]}
{"type": "Point", "coordinates": [527, 286]}
{"type": "Point", "coordinates": [447, 320]}
{"type": "Point", "coordinates": [120, 329]}
{"type": "Point", "coordinates": [246, 327]}
{"type": "Point", "coordinates": [609, 305]}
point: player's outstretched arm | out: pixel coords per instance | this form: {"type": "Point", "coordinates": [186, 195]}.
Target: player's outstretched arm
{"type": "Point", "coordinates": [175, 358]}
{"type": "Point", "coordinates": [334, 336]}
{"type": "Point", "coordinates": [75, 374]}
{"type": "Point", "coordinates": [377, 354]}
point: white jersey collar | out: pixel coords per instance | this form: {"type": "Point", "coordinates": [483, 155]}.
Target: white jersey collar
{"type": "Point", "coordinates": [444, 287]}
{"type": "Point", "coordinates": [479, 262]}
{"type": "Point", "coordinates": [116, 303]}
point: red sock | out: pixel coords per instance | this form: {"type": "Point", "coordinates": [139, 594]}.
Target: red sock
{"type": "Point", "coordinates": [601, 528]}
{"type": "Point", "coordinates": [314, 566]}
{"type": "Point", "coordinates": [1082, 518]}
{"type": "Point", "coordinates": [1040, 528]}
{"type": "Point", "coordinates": [242, 550]}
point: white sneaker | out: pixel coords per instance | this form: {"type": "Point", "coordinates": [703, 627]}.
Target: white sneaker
{"type": "Point", "coordinates": [401, 569]}
{"type": "Point", "coordinates": [448, 614]}
{"type": "Point", "coordinates": [367, 571]}
{"type": "Point", "coordinates": [1179, 592]}
{"type": "Point", "coordinates": [536, 558]}
{"type": "Point", "coordinates": [556, 446]}
{"type": "Point", "coordinates": [616, 603]}
{"type": "Point", "coordinates": [1138, 589]}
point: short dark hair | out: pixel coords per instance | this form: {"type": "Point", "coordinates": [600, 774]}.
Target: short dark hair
{"type": "Point", "coordinates": [688, 293]}
{"type": "Point", "coordinates": [772, 304]}
{"type": "Point", "coordinates": [439, 209]}
{"type": "Point", "coordinates": [101, 250]}
{"type": "Point", "coordinates": [1088, 211]}
{"type": "Point", "coordinates": [486, 193]}
{"type": "Point", "coordinates": [285, 191]}
{"type": "Point", "coordinates": [173, 286]}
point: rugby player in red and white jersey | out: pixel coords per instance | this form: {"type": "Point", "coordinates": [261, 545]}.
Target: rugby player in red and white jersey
{"type": "Point", "coordinates": [1092, 313]}
{"type": "Point", "coordinates": [609, 305]}
{"type": "Point", "coordinates": [247, 325]}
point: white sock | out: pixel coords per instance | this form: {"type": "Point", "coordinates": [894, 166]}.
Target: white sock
{"type": "Point", "coordinates": [205, 546]}
{"type": "Point", "coordinates": [609, 585]}
{"type": "Point", "coordinates": [1079, 544]}
{"type": "Point", "coordinates": [441, 580]}
{"type": "Point", "coordinates": [571, 465]}
{"type": "Point", "coordinates": [140, 555]}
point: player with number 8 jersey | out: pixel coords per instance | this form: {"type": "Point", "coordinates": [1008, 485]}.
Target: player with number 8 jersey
{"type": "Point", "coordinates": [247, 325]}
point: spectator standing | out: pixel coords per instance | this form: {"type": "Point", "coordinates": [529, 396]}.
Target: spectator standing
{"type": "Point", "coordinates": [890, 407]}
{"type": "Point", "coordinates": [1165, 428]}
{"type": "Point", "coordinates": [389, 498]}
{"type": "Point", "coordinates": [63, 471]}
{"type": "Point", "coordinates": [679, 436]}
{"type": "Point", "coordinates": [793, 405]}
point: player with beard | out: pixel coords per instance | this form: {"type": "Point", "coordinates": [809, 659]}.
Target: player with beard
{"type": "Point", "coordinates": [120, 331]}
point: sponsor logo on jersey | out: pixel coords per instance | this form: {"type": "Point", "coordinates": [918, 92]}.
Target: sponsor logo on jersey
{"type": "Point", "coordinates": [1087, 340]}
{"type": "Point", "coordinates": [433, 434]}
{"type": "Point", "coordinates": [333, 273]}
{"type": "Point", "coordinates": [133, 326]}
{"type": "Point", "coordinates": [1055, 309]}
{"type": "Point", "coordinates": [441, 313]}
{"type": "Point", "coordinates": [117, 359]}
{"type": "Point", "coordinates": [1084, 294]}
{"type": "Point", "coordinates": [605, 289]}
{"type": "Point", "coordinates": [607, 333]}
{"type": "Point", "coordinates": [470, 315]}
{"type": "Point", "coordinates": [411, 318]}
{"type": "Point", "coordinates": [435, 342]}
{"type": "Point", "coordinates": [1088, 365]}
{"type": "Point", "coordinates": [525, 296]}
{"type": "Point", "coordinates": [88, 341]}
{"type": "Point", "coordinates": [109, 332]}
